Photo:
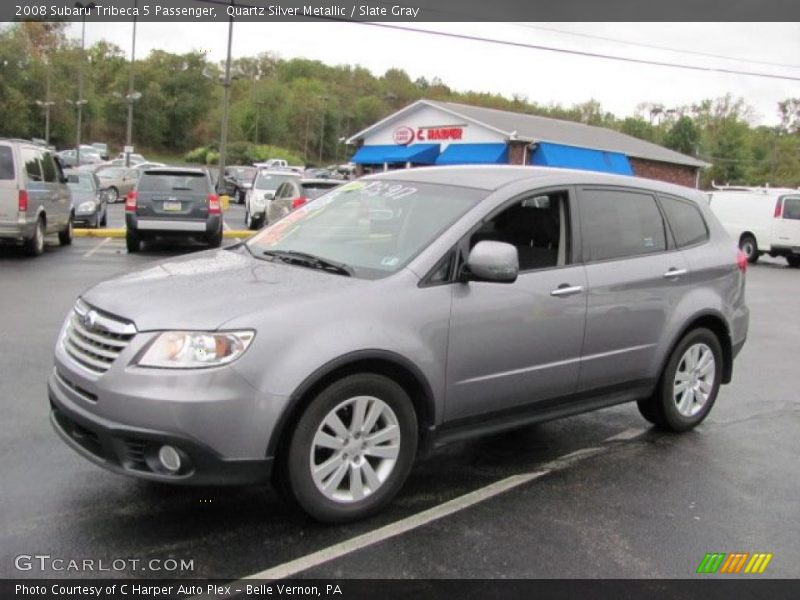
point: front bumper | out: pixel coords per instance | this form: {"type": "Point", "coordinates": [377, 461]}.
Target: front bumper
{"type": "Point", "coordinates": [133, 451]}
{"type": "Point", "coordinates": [87, 219]}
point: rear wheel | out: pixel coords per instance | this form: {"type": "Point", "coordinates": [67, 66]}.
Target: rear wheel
{"type": "Point", "coordinates": [794, 261]}
{"type": "Point", "coordinates": [132, 241]}
{"type": "Point", "coordinates": [35, 245]}
{"type": "Point", "coordinates": [215, 239]}
{"type": "Point", "coordinates": [749, 247]}
{"type": "Point", "coordinates": [352, 449]}
{"type": "Point", "coordinates": [689, 384]}
{"type": "Point", "coordinates": [65, 235]}
{"type": "Point", "coordinates": [113, 195]}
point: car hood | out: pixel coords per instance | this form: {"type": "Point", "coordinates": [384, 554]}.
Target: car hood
{"type": "Point", "coordinates": [78, 197]}
{"type": "Point", "coordinates": [206, 289]}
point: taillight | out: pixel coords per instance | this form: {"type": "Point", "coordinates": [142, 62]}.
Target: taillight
{"type": "Point", "coordinates": [22, 201]}
{"type": "Point", "coordinates": [298, 202]}
{"type": "Point", "coordinates": [130, 202]}
{"type": "Point", "coordinates": [741, 261]}
{"type": "Point", "coordinates": [213, 205]}
{"type": "Point", "coordinates": [778, 209]}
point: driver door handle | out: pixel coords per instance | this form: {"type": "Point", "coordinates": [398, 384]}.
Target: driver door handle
{"type": "Point", "coordinates": [675, 273]}
{"type": "Point", "coordinates": [566, 289]}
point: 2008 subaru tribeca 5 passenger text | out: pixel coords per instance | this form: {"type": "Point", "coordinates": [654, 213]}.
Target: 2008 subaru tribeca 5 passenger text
{"type": "Point", "coordinates": [397, 313]}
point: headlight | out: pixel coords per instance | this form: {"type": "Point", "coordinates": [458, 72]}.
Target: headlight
{"type": "Point", "coordinates": [195, 349]}
{"type": "Point", "coordinates": [257, 201]}
{"type": "Point", "coordinates": [88, 206]}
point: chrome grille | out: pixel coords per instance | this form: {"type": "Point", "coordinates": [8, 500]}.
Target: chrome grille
{"type": "Point", "coordinates": [94, 340]}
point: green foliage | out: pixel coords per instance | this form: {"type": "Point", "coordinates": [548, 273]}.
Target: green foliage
{"type": "Point", "coordinates": [299, 109]}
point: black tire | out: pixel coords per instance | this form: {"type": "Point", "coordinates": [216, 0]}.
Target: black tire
{"type": "Point", "coordinates": [749, 246]}
{"type": "Point", "coordinates": [104, 220]}
{"type": "Point", "coordinates": [215, 239]}
{"type": "Point", "coordinates": [794, 261]}
{"type": "Point", "coordinates": [65, 235]}
{"type": "Point", "coordinates": [35, 245]}
{"type": "Point", "coordinates": [661, 408]}
{"type": "Point", "coordinates": [252, 223]}
{"type": "Point", "coordinates": [132, 241]}
{"type": "Point", "coordinates": [294, 472]}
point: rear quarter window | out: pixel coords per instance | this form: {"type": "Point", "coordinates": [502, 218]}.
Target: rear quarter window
{"type": "Point", "coordinates": [791, 208]}
{"type": "Point", "coordinates": [685, 220]}
{"type": "Point", "coordinates": [6, 163]}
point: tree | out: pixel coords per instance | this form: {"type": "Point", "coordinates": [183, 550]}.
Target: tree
{"type": "Point", "coordinates": [683, 136]}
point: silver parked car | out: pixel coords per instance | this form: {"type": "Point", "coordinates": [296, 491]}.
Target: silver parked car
{"type": "Point", "coordinates": [397, 313]}
{"type": "Point", "coordinates": [34, 197]}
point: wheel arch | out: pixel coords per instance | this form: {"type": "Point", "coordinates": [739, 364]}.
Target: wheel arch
{"type": "Point", "coordinates": [389, 364]}
{"type": "Point", "coordinates": [715, 322]}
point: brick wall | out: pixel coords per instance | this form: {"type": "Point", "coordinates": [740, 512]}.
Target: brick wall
{"type": "Point", "coordinates": [671, 173]}
{"type": "Point", "coordinates": [517, 153]}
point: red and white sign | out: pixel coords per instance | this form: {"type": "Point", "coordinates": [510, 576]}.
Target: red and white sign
{"type": "Point", "coordinates": [403, 135]}
{"type": "Point", "coordinates": [436, 134]}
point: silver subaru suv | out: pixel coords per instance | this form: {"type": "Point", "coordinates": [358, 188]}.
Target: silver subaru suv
{"type": "Point", "coordinates": [395, 314]}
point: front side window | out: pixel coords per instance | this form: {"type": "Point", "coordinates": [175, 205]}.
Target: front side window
{"type": "Point", "coordinates": [536, 226]}
{"type": "Point", "coordinates": [374, 227]}
{"type": "Point", "coordinates": [685, 221]}
{"type": "Point", "coordinates": [620, 223]}
{"type": "Point", "coordinates": [791, 208]}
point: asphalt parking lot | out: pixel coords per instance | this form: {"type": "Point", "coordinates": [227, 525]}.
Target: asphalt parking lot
{"type": "Point", "coordinates": [595, 496]}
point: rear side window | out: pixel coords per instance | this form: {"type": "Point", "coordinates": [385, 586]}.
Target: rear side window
{"type": "Point", "coordinates": [6, 163]}
{"type": "Point", "coordinates": [791, 208]}
{"type": "Point", "coordinates": [30, 158]}
{"type": "Point", "coordinates": [174, 182]}
{"type": "Point", "coordinates": [685, 221]}
{"type": "Point", "coordinates": [620, 223]}
{"type": "Point", "coordinates": [49, 168]}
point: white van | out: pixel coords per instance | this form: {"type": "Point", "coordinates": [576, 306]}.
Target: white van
{"type": "Point", "coordinates": [763, 220]}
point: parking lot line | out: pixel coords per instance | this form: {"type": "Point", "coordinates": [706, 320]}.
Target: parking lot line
{"type": "Point", "coordinates": [409, 523]}
{"type": "Point", "coordinates": [97, 247]}
{"type": "Point", "coordinates": [628, 434]}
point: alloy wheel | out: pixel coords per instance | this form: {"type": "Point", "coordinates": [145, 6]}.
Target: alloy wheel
{"type": "Point", "coordinates": [694, 379]}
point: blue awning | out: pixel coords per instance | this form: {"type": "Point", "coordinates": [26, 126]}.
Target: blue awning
{"type": "Point", "coordinates": [587, 159]}
{"type": "Point", "coordinates": [418, 154]}
{"type": "Point", "coordinates": [474, 154]}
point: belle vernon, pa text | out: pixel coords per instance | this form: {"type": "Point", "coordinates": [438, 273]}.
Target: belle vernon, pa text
{"type": "Point", "coordinates": [143, 590]}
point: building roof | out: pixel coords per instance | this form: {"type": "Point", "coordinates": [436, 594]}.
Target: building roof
{"type": "Point", "coordinates": [532, 128]}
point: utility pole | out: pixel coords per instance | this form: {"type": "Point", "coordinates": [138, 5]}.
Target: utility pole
{"type": "Point", "coordinates": [80, 102]}
{"type": "Point", "coordinates": [226, 97]}
{"type": "Point", "coordinates": [132, 95]}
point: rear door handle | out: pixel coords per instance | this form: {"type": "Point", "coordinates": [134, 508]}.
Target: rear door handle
{"type": "Point", "coordinates": [675, 273]}
{"type": "Point", "coordinates": [566, 290]}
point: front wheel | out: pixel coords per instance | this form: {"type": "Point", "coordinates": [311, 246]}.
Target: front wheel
{"type": "Point", "coordinates": [689, 383]}
{"type": "Point", "coordinates": [794, 261]}
{"type": "Point", "coordinates": [749, 247]}
{"type": "Point", "coordinates": [113, 195]}
{"type": "Point", "coordinates": [352, 449]}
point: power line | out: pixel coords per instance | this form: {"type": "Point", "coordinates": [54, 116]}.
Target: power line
{"type": "Point", "coordinates": [583, 53]}
{"type": "Point", "coordinates": [654, 46]}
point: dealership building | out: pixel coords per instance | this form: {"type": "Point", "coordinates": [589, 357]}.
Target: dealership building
{"type": "Point", "coordinates": [428, 133]}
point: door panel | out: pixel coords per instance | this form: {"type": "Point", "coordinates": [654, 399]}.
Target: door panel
{"type": "Point", "coordinates": [514, 344]}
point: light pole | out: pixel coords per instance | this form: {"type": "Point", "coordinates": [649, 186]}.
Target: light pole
{"type": "Point", "coordinates": [81, 102]}
{"type": "Point", "coordinates": [46, 105]}
{"type": "Point", "coordinates": [226, 98]}
{"type": "Point", "coordinates": [132, 95]}
{"type": "Point", "coordinates": [322, 133]}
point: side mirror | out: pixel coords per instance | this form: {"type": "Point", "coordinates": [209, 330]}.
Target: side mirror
{"type": "Point", "coordinates": [269, 196]}
{"type": "Point", "coordinates": [495, 262]}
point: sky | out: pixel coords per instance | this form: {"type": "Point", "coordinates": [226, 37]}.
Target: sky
{"type": "Point", "coordinates": [543, 77]}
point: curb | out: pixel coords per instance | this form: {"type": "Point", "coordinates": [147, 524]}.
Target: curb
{"type": "Point", "coordinates": [120, 233]}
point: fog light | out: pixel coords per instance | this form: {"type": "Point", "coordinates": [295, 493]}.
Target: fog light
{"type": "Point", "coordinates": [169, 458]}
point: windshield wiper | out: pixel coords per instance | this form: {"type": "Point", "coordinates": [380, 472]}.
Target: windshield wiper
{"type": "Point", "coordinates": [310, 260]}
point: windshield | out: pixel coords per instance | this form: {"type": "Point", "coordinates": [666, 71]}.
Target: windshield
{"type": "Point", "coordinates": [270, 181]}
{"type": "Point", "coordinates": [243, 173]}
{"type": "Point", "coordinates": [80, 183]}
{"type": "Point", "coordinates": [374, 227]}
